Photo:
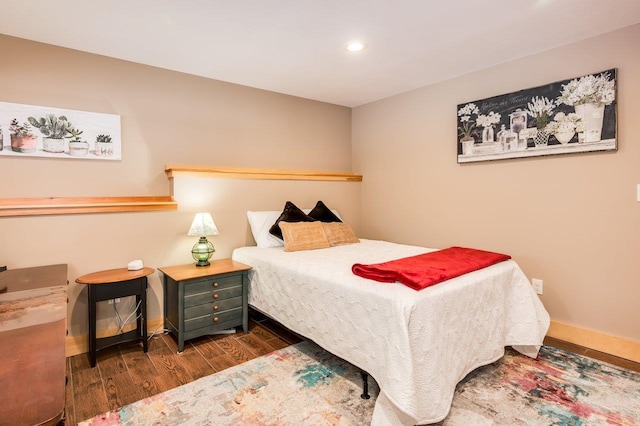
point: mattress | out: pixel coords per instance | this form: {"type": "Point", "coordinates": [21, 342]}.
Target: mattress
{"type": "Point", "coordinates": [417, 345]}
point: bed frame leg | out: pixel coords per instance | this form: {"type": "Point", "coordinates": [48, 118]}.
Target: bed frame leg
{"type": "Point", "coordinates": [365, 385]}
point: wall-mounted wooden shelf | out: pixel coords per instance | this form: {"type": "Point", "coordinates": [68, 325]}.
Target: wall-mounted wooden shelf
{"type": "Point", "coordinates": [74, 205]}
{"type": "Point", "coordinates": [274, 174]}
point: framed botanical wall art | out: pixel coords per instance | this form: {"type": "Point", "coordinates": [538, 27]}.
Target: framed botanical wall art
{"type": "Point", "coordinates": [569, 116]}
{"type": "Point", "coordinates": [38, 131]}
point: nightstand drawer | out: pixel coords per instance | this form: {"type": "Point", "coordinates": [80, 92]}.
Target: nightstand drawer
{"type": "Point", "coordinates": [212, 283]}
{"type": "Point", "coordinates": [212, 308]}
{"type": "Point", "coordinates": [213, 319]}
{"type": "Point", "coordinates": [212, 296]}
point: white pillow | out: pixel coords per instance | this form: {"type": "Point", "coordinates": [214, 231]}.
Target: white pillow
{"type": "Point", "coordinates": [261, 222]}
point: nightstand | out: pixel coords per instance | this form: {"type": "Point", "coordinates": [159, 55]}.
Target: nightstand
{"type": "Point", "coordinates": [203, 300]}
{"type": "Point", "coordinates": [111, 284]}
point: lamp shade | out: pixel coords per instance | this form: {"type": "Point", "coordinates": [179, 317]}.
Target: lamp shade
{"type": "Point", "coordinates": [202, 225]}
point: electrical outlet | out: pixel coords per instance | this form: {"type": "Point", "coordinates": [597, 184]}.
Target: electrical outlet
{"type": "Point", "coordinates": [638, 195]}
{"type": "Point", "coordinates": [537, 285]}
{"type": "Point", "coordinates": [110, 301]}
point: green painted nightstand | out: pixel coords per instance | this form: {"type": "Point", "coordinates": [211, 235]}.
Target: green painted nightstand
{"type": "Point", "coordinates": [203, 300]}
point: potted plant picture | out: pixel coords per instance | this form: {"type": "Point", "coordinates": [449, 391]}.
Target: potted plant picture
{"type": "Point", "coordinates": [589, 95]}
{"type": "Point", "coordinates": [487, 122]}
{"type": "Point", "coordinates": [467, 128]}
{"type": "Point", "coordinates": [540, 108]}
{"type": "Point", "coordinates": [22, 139]}
{"type": "Point", "coordinates": [77, 147]}
{"type": "Point", "coordinates": [564, 126]}
{"type": "Point", "coordinates": [104, 146]}
{"type": "Point", "coordinates": [53, 129]}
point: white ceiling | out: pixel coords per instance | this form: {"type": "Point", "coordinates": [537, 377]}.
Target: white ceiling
{"type": "Point", "coordinates": [297, 46]}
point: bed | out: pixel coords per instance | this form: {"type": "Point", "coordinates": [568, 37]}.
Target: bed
{"type": "Point", "coordinates": [417, 345]}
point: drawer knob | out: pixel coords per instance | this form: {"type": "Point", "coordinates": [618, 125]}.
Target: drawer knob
{"type": "Point", "coordinates": [216, 319]}
{"type": "Point", "coordinates": [215, 296]}
{"type": "Point", "coordinates": [215, 307]}
{"type": "Point", "coordinates": [215, 285]}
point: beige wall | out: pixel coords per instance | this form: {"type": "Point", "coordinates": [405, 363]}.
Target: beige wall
{"type": "Point", "coordinates": [571, 220]}
{"type": "Point", "coordinates": [167, 118]}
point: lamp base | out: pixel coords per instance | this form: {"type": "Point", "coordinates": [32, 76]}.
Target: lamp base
{"type": "Point", "coordinates": [202, 252]}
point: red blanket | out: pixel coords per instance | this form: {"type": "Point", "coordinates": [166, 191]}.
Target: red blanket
{"type": "Point", "coordinates": [427, 269]}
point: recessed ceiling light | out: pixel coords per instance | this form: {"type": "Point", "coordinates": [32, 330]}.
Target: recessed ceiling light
{"type": "Point", "coordinates": [355, 46]}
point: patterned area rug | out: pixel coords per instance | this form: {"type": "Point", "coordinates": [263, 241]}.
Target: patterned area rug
{"type": "Point", "coordinates": [304, 385]}
{"type": "Point", "coordinates": [298, 385]}
{"type": "Point", "coordinates": [558, 388]}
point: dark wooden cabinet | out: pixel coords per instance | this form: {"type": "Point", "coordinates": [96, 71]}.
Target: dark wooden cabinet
{"type": "Point", "coordinates": [33, 328]}
{"type": "Point", "coordinates": [205, 300]}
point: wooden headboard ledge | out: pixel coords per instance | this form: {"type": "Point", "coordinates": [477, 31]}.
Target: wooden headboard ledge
{"type": "Point", "coordinates": [266, 174]}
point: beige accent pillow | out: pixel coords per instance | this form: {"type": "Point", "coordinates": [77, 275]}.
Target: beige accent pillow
{"type": "Point", "coordinates": [303, 236]}
{"type": "Point", "coordinates": [339, 233]}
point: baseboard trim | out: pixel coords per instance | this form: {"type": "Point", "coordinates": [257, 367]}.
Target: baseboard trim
{"type": "Point", "coordinates": [612, 345]}
{"type": "Point", "coordinates": [76, 345]}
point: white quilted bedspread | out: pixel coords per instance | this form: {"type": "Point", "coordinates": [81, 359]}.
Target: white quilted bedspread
{"type": "Point", "coordinates": [417, 345]}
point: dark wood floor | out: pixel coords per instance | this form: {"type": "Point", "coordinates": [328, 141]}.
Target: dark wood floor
{"type": "Point", "coordinates": [124, 374]}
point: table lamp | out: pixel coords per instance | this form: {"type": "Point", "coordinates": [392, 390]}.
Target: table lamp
{"type": "Point", "coordinates": [202, 226]}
